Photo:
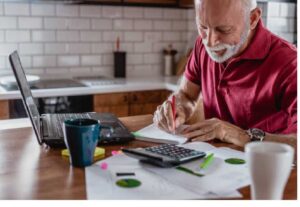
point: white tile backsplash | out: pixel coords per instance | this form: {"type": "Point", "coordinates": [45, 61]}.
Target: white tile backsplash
{"type": "Point", "coordinates": [143, 25]}
{"type": "Point", "coordinates": [19, 9]}
{"type": "Point", "coordinates": [143, 47]}
{"type": "Point", "coordinates": [133, 12]}
{"type": "Point", "coordinates": [288, 10]}
{"type": "Point", "coordinates": [273, 9]}
{"type": "Point", "coordinates": [55, 48]}
{"type": "Point", "coordinates": [68, 36]}
{"type": "Point", "coordinates": [78, 24]}
{"type": "Point", "coordinates": [153, 36]}
{"type": "Point", "coordinates": [179, 25]}
{"type": "Point", "coordinates": [55, 23]}
{"type": "Point", "coordinates": [133, 36]}
{"type": "Point", "coordinates": [43, 36]}
{"type": "Point", "coordinates": [31, 48]}
{"type": "Point", "coordinates": [44, 61]}
{"type": "Point", "coordinates": [112, 12]}
{"type": "Point", "coordinates": [43, 9]}
{"type": "Point", "coordinates": [153, 13]}
{"type": "Point", "coordinates": [55, 38]}
{"type": "Point", "coordinates": [102, 48]}
{"type": "Point", "coordinates": [70, 60]}
{"type": "Point", "coordinates": [123, 24]}
{"type": "Point", "coordinates": [172, 14]}
{"type": "Point", "coordinates": [7, 48]}
{"type": "Point", "coordinates": [1, 36]}
{"type": "Point", "coordinates": [107, 59]}
{"type": "Point", "coordinates": [111, 36]}
{"type": "Point", "coordinates": [2, 61]}
{"type": "Point", "coordinates": [90, 36]}
{"type": "Point", "coordinates": [8, 22]}
{"type": "Point", "coordinates": [171, 36]}
{"type": "Point", "coordinates": [26, 61]}
{"type": "Point", "coordinates": [78, 48]}
{"type": "Point", "coordinates": [1, 8]}
{"type": "Point", "coordinates": [17, 36]}
{"type": "Point", "coordinates": [135, 59]}
{"type": "Point", "coordinates": [30, 22]}
{"type": "Point", "coordinates": [162, 25]}
{"type": "Point", "coordinates": [90, 11]}
{"type": "Point", "coordinates": [67, 10]}
{"type": "Point", "coordinates": [91, 60]}
{"type": "Point", "coordinates": [102, 24]}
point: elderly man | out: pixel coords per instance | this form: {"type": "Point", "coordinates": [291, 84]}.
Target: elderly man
{"type": "Point", "coordinates": [246, 74]}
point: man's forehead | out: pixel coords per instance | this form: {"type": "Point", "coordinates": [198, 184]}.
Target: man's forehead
{"type": "Point", "coordinates": [220, 12]}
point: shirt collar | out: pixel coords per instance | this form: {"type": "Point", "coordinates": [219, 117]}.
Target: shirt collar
{"type": "Point", "coordinates": [260, 44]}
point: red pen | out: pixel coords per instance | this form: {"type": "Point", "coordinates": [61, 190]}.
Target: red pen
{"type": "Point", "coordinates": [173, 104]}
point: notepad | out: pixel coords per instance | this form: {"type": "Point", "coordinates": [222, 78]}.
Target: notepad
{"type": "Point", "coordinates": [152, 133]}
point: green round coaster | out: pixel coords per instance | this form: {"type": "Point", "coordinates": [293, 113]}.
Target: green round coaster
{"type": "Point", "coordinates": [128, 183]}
{"type": "Point", "coordinates": [235, 161]}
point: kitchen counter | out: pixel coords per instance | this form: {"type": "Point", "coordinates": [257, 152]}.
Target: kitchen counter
{"type": "Point", "coordinates": [123, 85]}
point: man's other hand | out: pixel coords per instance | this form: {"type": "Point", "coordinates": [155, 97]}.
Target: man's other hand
{"type": "Point", "coordinates": [216, 129]}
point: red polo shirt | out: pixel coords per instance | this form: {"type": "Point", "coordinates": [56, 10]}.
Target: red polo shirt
{"type": "Point", "coordinates": [258, 89]}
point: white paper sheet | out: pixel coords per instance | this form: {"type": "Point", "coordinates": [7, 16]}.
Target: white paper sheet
{"type": "Point", "coordinates": [159, 183]}
{"type": "Point", "coordinates": [152, 133]}
{"type": "Point", "coordinates": [219, 177]}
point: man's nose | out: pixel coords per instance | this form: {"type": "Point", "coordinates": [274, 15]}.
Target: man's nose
{"type": "Point", "coordinates": [212, 39]}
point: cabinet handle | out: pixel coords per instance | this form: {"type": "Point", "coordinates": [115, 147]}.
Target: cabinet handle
{"type": "Point", "coordinates": [134, 97]}
{"type": "Point", "coordinates": [125, 99]}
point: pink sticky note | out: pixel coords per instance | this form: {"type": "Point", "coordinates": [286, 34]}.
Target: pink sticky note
{"type": "Point", "coordinates": [114, 152]}
{"type": "Point", "coordinates": [104, 165]}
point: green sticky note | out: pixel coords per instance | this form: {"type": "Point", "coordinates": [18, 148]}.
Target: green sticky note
{"type": "Point", "coordinates": [136, 134]}
{"type": "Point", "coordinates": [128, 183]}
{"type": "Point", "coordinates": [235, 161]}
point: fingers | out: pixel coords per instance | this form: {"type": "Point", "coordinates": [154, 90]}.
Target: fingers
{"type": "Point", "coordinates": [163, 117]}
{"type": "Point", "coordinates": [180, 117]}
{"type": "Point", "coordinates": [205, 137]}
{"type": "Point", "coordinates": [168, 115]}
{"type": "Point", "coordinates": [200, 125]}
{"type": "Point", "coordinates": [200, 132]}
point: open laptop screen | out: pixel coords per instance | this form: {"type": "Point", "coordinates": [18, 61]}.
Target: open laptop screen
{"type": "Point", "coordinates": [27, 97]}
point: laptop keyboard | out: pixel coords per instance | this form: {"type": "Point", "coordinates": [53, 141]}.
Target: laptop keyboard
{"type": "Point", "coordinates": [58, 119]}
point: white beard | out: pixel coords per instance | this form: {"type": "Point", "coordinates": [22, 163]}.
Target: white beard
{"type": "Point", "coordinates": [231, 50]}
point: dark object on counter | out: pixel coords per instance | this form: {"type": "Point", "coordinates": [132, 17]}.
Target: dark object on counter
{"type": "Point", "coordinates": [120, 64]}
{"type": "Point", "coordinates": [169, 57]}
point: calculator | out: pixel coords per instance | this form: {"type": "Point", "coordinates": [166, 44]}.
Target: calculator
{"type": "Point", "coordinates": [165, 155]}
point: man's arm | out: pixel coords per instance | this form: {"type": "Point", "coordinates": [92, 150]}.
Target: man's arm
{"type": "Point", "coordinates": [186, 99]}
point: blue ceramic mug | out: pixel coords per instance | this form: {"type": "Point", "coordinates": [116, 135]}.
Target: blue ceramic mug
{"type": "Point", "coordinates": [81, 137]}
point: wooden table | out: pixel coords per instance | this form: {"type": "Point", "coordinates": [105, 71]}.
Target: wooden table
{"type": "Point", "coordinates": [29, 171]}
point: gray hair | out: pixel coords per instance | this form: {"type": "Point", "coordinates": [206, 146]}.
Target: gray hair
{"type": "Point", "coordinates": [249, 4]}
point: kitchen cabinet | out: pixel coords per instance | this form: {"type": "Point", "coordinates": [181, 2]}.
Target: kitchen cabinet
{"type": "Point", "coordinates": [4, 109]}
{"type": "Point", "coordinates": [116, 103]}
{"type": "Point", "coordinates": [186, 3]}
{"type": "Point", "coordinates": [130, 104]}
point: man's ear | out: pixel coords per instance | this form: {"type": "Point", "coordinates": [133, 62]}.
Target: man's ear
{"type": "Point", "coordinates": [255, 17]}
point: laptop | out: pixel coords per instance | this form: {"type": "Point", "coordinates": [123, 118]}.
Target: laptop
{"type": "Point", "coordinates": [48, 127]}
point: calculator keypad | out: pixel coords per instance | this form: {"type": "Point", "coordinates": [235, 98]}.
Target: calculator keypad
{"type": "Point", "coordinates": [173, 151]}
